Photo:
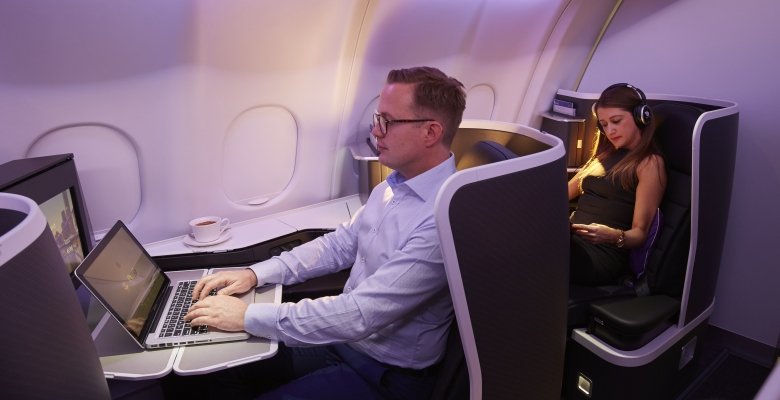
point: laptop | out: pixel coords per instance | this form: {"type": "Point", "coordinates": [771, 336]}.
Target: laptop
{"type": "Point", "coordinates": [122, 276]}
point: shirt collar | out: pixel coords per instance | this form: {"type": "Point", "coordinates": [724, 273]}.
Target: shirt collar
{"type": "Point", "coordinates": [427, 184]}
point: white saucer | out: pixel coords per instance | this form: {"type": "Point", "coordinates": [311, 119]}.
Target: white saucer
{"type": "Point", "coordinates": [190, 241]}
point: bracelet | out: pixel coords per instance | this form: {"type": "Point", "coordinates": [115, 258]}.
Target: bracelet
{"type": "Point", "coordinates": [621, 241]}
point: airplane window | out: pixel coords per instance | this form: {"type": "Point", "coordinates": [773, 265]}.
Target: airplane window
{"type": "Point", "coordinates": [112, 185]}
{"type": "Point", "coordinates": [260, 139]}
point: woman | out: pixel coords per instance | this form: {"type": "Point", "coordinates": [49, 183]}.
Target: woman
{"type": "Point", "coordinates": [619, 188]}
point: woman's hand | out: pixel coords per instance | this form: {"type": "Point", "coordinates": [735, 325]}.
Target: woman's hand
{"type": "Point", "coordinates": [596, 233]}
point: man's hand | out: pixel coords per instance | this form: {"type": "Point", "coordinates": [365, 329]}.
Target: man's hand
{"type": "Point", "coordinates": [228, 282]}
{"type": "Point", "coordinates": [220, 311]}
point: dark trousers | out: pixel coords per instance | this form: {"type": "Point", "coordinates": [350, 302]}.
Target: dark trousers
{"type": "Point", "coordinates": [323, 372]}
{"type": "Point", "coordinates": [596, 264]}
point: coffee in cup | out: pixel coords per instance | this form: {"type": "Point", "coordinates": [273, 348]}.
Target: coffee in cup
{"type": "Point", "coordinates": [208, 229]}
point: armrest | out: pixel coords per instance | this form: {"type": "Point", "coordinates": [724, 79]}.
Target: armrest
{"type": "Point", "coordinates": [632, 323]}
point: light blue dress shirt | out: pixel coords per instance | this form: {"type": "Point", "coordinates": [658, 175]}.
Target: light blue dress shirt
{"type": "Point", "coordinates": [396, 305]}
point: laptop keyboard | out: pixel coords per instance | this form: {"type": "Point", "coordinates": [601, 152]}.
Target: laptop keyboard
{"type": "Point", "coordinates": [174, 324]}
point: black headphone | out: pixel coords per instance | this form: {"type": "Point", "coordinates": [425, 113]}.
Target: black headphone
{"type": "Point", "coordinates": [641, 112]}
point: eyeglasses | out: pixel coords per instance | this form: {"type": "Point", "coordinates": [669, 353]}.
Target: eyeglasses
{"type": "Point", "coordinates": [384, 123]}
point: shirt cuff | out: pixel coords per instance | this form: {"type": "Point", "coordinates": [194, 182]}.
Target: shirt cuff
{"type": "Point", "coordinates": [268, 271]}
{"type": "Point", "coordinates": [260, 320]}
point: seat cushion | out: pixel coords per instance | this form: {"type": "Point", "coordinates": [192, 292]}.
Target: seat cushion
{"type": "Point", "coordinates": [581, 297]}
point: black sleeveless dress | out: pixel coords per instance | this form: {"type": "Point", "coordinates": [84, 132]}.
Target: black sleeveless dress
{"type": "Point", "coordinates": [603, 202]}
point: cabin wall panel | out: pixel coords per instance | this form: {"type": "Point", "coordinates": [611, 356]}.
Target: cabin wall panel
{"type": "Point", "coordinates": [175, 77]}
{"type": "Point", "coordinates": [493, 47]}
{"type": "Point", "coordinates": [178, 78]}
{"type": "Point", "coordinates": [392, 35]}
{"type": "Point", "coordinates": [723, 50]}
{"type": "Point", "coordinates": [505, 48]}
{"type": "Point", "coordinates": [123, 108]}
{"type": "Point", "coordinates": [565, 56]}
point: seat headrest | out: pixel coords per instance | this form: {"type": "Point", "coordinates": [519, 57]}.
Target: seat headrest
{"type": "Point", "coordinates": [485, 152]}
{"type": "Point", "coordinates": [674, 132]}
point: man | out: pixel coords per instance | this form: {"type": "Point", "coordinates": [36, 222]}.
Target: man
{"type": "Point", "coordinates": [383, 336]}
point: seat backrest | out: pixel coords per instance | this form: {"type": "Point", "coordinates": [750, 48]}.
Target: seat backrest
{"type": "Point", "coordinates": [699, 151]}
{"type": "Point", "coordinates": [480, 142]}
{"type": "Point", "coordinates": [665, 272]}
{"type": "Point", "coordinates": [484, 152]}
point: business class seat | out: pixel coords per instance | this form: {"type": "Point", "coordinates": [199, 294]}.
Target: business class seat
{"type": "Point", "coordinates": [668, 258]}
{"type": "Point", "coordinates": [506, 173]}
{"type": "Point", "coordinates": [504, 234]}
{"type": "Point", "coordinates": [639, 337]}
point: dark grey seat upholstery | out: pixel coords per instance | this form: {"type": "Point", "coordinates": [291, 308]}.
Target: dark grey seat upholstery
{"type": "Point", "coordinates": [453, 382]}
{"type": "Point", "coordinates": [503, 227]}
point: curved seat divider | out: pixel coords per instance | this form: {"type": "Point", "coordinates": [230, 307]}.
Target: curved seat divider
{"type": "Point", "coordinates": [504, 236]}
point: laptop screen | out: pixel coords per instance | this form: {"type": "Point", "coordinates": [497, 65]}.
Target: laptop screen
{"type": "Point", "coordinates": [125, 279]}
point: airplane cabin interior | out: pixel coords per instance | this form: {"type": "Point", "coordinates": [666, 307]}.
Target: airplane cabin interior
{"type": "Point", "coordinates": [260, 112]}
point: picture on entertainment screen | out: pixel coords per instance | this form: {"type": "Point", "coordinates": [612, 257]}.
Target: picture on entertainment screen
{"type": "Point", "coordinates": [62, 222]}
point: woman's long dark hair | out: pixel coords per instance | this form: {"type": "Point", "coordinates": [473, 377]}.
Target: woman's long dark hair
{"type": "Point", "coordinates": [624, 98]}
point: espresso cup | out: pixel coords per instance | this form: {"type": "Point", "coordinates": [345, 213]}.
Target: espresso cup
{"type": "Point", "coordinates": [208, 229]}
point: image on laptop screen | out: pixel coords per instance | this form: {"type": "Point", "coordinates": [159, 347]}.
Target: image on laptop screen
{"type": "Point", "coordinates": [127, 280]}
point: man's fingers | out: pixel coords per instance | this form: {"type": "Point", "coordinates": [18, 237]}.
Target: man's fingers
{"type": "Point", "coordinates": [200, 304]}
{"type": "Point", "coordinates": [209, 284]}
{"type": "Point", "coordinates": [199, 321]}
{"type": "Point", "coordinates": [229, 289]}
{"type": "Point", "coordinates": [198, 289]}
{"type": "Point", "coordinates": [192, 313]}
{"type": "Point", "coordinates": [197, 311]}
